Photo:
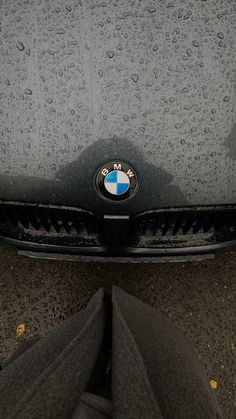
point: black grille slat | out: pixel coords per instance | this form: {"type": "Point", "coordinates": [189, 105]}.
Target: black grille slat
{"type": "Point", "coordinates": [33, 219]}
{"type": "Point", "coordinates": [166, 224]}
{"type": "Point", "coordinates": [189, 222]}
{"type": "Point", "coordinates": [230, 221]}
{"type": "Point", "coordinates": [43, 219]}
{"type": "Point", "coordinates": [209, 222]}
{"type": "Point", "coordinates": [156, 225]}
{"type": "Point", "coordinates": [55, 222]}
{"type": "Point", "coordinates": [150, 228]}
{"type": "Point", "coordinates": [12, 216]}
{"type": "Point", "coordinates": [219, 221]}
{"type": "Point", "coordinates": [177, 224]}
{"type": "Point", "coordinates": [23, 217]}
{"type": "Point", "coordinates": [68, 225]}
{"type": "Point", "coordinates": [4, 217]}
{"type": "Point", "coordinates": [77, 224]}
{"type": "Point", "coordinates": [198, 223]}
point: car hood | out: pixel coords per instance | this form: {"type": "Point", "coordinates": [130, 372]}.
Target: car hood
{"type": "Point", "coordinates": [142, 83]}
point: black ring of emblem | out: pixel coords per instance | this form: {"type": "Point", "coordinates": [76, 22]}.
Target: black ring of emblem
{"type": "Point", "coordinates": [123, 167]}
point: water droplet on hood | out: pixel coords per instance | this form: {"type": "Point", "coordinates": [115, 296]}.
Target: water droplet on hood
{"type": "Point", "coordinates": [60, 31]}
{"type": "Point", "coordinates": [135, 77]}
{"type": "Point", "coordinates": [28, 91]}
{"type": "Point", "coordinates": [20, 46]}
{"type": "Point", "coordinates": [110, 54]}
{"type": "Point", "coordinates": [196, 43]}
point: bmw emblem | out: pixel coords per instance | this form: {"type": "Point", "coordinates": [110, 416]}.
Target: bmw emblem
{"type": "Point", "coordinates": [117, 181]}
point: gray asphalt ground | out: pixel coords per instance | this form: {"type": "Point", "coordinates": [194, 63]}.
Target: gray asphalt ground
{"type": "Point", "coordinates": [200, 298]}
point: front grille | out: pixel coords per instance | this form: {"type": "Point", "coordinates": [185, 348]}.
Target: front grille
{"type": "Point", "coordinates": [75, 230]}
{"type": "Point", "coordinates": [48, 224]}
{"type": "Point", "coordinates": [185, 227]}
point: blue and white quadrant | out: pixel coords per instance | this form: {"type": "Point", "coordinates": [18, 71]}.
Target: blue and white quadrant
{"type": "Point", "coordinates": [117, 182]}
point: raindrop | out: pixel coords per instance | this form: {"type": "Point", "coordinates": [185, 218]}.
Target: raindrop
{"type": "Point", "coordinates": [60, 31]}
{"type": "Point", "coordinates": [7, 82]}
{"type": "Point", "coordinates": [220, 35]}
{"type": "Point", "coordinates": [100, 73]}
{"type": "Point", "coordinates": [110, 83]}
{"type": "Point", "coordinates": [195, 43]}
{"type": "Point", "coordinates": [178, 125]}
{"type": "Point", "coordinates": [135, 77]}
{"type": "Point", "coordinates": [185, 90]}
{"type": "Point", "coordinates": [28, 92]}
{"type": "Point", "coordinates": [188, 14]}
{"type": "Point", "coordinates": [226, 99]}
{"type": "Point", "coordinates": [177, 30]}
{"type": "Point", "coordinates": [110, 54]}
{"type": "Point", "coordinates": [150, 10]}
{"type": "Point", "coordinates": [20, 46]}
{"type": "Point", "coordinates": [155, 72]}
{"type": "Point", "coordinates": [155, 48]}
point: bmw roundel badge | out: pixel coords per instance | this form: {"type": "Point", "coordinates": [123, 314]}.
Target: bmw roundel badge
{"type": "Point", "coordinates": [117, 181]}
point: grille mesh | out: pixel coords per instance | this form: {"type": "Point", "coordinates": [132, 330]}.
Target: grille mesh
{"type": "Point", "coordinates": [184, 222]}
{"type": "Point", "coordinates": [49, 219]}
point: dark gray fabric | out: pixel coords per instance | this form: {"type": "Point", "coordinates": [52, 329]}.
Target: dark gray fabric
{"type": "Point", "coordinates": [47, 380]}
{"type": "Point", "coordinates": [156, 362]}
{"type": "Point", "coordinates": [92, 406]}
{"type": "Point", "coordinates": [155, 371]}
{"type": "Point", "coordinates": [133, 397]}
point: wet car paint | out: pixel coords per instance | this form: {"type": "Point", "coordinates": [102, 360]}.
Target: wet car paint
{"type": "Point", "coordinates": [150, 83]}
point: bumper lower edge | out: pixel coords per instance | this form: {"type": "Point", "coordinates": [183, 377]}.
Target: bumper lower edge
{"type": "Point", "coordinates": [123, 252]}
